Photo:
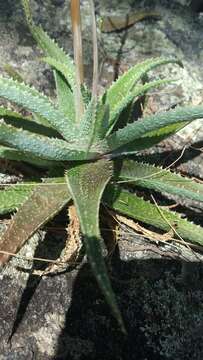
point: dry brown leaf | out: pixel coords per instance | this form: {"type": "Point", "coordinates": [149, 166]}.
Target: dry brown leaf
{"type": "Point", "coordinates": [72, 248]}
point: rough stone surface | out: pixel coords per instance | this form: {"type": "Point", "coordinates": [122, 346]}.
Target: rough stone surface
{"type": "Point", "coordinates": [65, 317]}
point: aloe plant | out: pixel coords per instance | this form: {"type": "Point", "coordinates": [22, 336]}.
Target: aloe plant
{"type": "Point", "coordinates": [79, 140]}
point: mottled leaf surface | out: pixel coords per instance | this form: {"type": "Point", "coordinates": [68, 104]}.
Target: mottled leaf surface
{"type": "Point", "coordinates": [13, 154]}
{"type": "Point", "coordinates": [64, 96]}
{"type": "Point", "coordinates": [125, 83]}
{"type": "Point", "coordinates": [153, 125]}
{"type": "Point", "coordinates": [86, 183]}
{"type": "Point", "coordinates": [45, 201]}
{"type": "Point", "coordinates": [35, 102]}
{"type": "Point", "coordinates": [41, 146]}
{"type": "Point", "coordinates": [88, 123]}
{"type": "Point", "coordinates": [146, 142]}
{"type": "Point", "coordinates": [63, 69]}
{"type": "Point", "coordinates": [137, 208]}
{"type": "Point", "coordinates": [26, 123]}
{"type": "Point", "coordinates": [137, 92]}
{"type": "Point", "coordinates": [156, 178]}
{"type": "Point", "coordinates": [13, 196]}
{"type": "Point", "coordinates": [48, 45]}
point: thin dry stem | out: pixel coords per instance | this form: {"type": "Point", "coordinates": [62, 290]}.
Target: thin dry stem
{"type": "Point", "coordinates": [181, 240]}
{"type": "Point", "coordinates": [78, 56]}
{"type": "Point", "coordinates": [95, 51]}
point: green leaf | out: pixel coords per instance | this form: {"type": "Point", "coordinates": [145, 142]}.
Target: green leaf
{"type": "Point", "coordinates": [137, 92]}
{"type": "Point", "coordinates": [43, 147]}
{"type": "Point", "coordinates": [146, 142]}
{"type": "Point", "coordinates": [64, 96]}
{"type": "Point", "coordinates": [86, 183]}
{"type": "Point", "coordinates": [125, 83]}
{"type": "Point", "coordinates": [49, 46]}
{"type": "Point", "coordinates": [62, 69]}
{"type": "Point", "coordinates": [159, 179]}
{"type": "Point", "coordinates": [152, 126]}
{"type": "Point", "coordinates": [12, 197]}
{"type": "Point", "coordinates": [135, 207]}
{"type": "Point", "coordinates": [102, 121]}
{"type": "Point", "coordinates": [12, 154]}
{"type": "Point", "coordinates": [88, 123]}
{"type": "Point", "coordinates": [42, 121]}
{"type": "Point", "coordinates": [86, 94]}
{"type": "Point", "coordinates": [37, 103]}
{"type": "Point", "coordinates": [26, 123]}
{"type": "Point", "coordinates": [45, 201]}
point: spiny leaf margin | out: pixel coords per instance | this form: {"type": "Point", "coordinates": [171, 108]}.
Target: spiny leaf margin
{"type": "Point", "coordinates": [139, 209]}
{"type": "Point", "coordinates": [159, 179]}
{"type": "Point", "coordinates": [86, 183]}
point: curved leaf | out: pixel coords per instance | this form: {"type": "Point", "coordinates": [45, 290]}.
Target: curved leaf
{"type": "Point", "coordinates": [125, 83]}
{"type": "Point", "coordinates": [102, 121]}
{"type": "Point", "coordinates": [137, 208]}
{"type": "Point", "coordinates": [43, 147]}
{"type": "Point", "coordinates": [137, 92]}
{"type": "Point", "coordinates": [88, 123]}
{"type": "Point", "coordinates": [45, 201]}
{"type": "Point", "coordinates": [64, 96]}
{"type": "Point", "coordinates": [152, 126]}
{"type": "Point", "coordinates": [37, 103]}
{"type": "Point", "coordinates": [159, 179]}
{"type": "Point", "coordinates": [49, 46]}
{"type": "Point", "coordinates": [61, 68]}
{"type": "Point", "coordinates": [146, 142]}
{"type": "Point", "coordinates": [26, 123]}
{"type": "Point", "coordinates": [12, 154]}
{"type": "Point", "coordinates": [86, 183]}
{"type": "Point", "coordinates": [12, 197]}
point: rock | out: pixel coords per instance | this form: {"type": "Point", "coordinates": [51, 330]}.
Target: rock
{"type": "Point", "coordinates": [58, 2]}
{"type": "Point", "coordinates": [197, 5]}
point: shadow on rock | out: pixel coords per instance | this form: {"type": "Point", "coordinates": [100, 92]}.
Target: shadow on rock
{"type": "Point", "coordinates": [49, 248]}
{"type": "Point", "coordinates": [154, 305]}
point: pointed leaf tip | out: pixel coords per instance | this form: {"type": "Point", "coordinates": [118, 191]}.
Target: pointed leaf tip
{"type": "Point", "coordinates": [86, 183]}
